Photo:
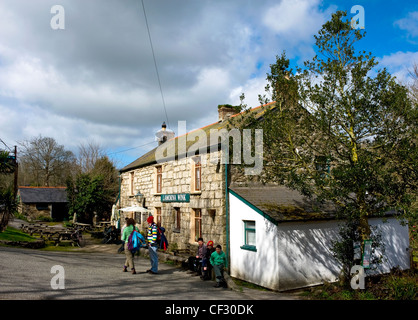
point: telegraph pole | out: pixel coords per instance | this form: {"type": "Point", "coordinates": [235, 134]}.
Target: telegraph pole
{"type": "Point", "coordinates": [16, 169]}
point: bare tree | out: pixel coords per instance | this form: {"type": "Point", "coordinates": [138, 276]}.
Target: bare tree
{"type": "Point", "coordinates": [45, 162]}
{"type": "Point", "coordinates": [413, 88]}
{"type": "Point", "coordinates": [88, 154]}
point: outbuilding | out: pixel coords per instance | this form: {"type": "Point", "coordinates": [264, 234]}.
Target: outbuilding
{"type": "Point", "coordinates": [281, 240]}
{"type": "Point", "coordinates": [38, 202]}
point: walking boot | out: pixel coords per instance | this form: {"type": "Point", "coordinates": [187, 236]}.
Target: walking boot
{"type": "Point", "coordinates": [133, 271]}
{"type": "Point", "coordinates": [125, 269]}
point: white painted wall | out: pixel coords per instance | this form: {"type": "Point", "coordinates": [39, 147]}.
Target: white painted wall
{"type": "Point", "coordinates": [261, 267]}
{"type": "Point", "coordinates": [297, 254]}
{"type": "Point", "coordinates": [304, 254]}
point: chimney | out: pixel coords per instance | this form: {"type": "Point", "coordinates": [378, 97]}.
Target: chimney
{"type": "Point", "coordinates": [226, 110]}
{"type": "Point", "coordinates": [163, 134]}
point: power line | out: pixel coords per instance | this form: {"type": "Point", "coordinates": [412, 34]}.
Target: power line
{"type": "Point", "coordinates": [155, 63]}
{"type": "Point", "coordinates": [131, 148]}
{"type": "Point", "coordinates": [5, 145]}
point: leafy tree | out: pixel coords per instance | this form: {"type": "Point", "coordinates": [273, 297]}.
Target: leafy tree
{"type": "Point", "coordinates": [93, 192]}
{"type": "Point", "coordinates": [8, 206]}
{"type": "Point", "coordinates": [8, 203]}
{"type": "Point", "coordinates": [340, 130]}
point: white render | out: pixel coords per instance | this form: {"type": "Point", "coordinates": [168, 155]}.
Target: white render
{"type": "Point", "coordinates": [296, 254]}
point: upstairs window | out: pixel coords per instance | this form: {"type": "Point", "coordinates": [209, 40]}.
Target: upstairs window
{"type": "Point", "coordinates": [131, 183]}
{"type": "Point", "coordinates": [159, 179]}
{"type": "Point", "coordinates": [197, 174]}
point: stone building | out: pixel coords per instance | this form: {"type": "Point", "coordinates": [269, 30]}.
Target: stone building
{"type": "Point", "coordinates": [41, 202]}
{"type": "Point", "coordinates": [184, 190]}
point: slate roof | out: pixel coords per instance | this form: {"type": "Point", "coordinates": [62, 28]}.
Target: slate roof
{"type": "Point", "coordinates": [281, 204]}
{"type": "Point", "coordinates": [149, 157]}
{"type": "Point", "coordinates": [43, 194]}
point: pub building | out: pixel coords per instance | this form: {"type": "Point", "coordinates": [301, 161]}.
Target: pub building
{"type": "Point", "coordinates": [273, 236]}
{"type": "Point", "coordinates": [185, 194]}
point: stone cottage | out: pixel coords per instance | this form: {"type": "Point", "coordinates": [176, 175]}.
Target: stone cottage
{"type": "Point", "coordinates": [38, 202]}
{"type": "Point", "coordinates": [184, 183]}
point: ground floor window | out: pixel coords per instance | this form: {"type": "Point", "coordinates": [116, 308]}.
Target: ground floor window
{"type": "Point", "coordinates": [177, 219]}
{"type": "Point", "coordinates": [42, 206]}
{"type": "Point", "coordinates": [249, 236]}
{"type": "Point", "coordinates": [197, 224]}
{"type": "Point", "coordinates": [158, 216]}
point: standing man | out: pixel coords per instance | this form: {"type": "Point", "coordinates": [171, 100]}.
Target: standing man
{"type": "Point", "coordinates": [152, 245]}
{"type": "Point", "coordinates": [200, 257]}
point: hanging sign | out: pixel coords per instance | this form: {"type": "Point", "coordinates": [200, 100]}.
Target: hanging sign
{"type": "Point", "coordinates": [367, 253]}
{"type": "Point", "coordinates": [177, 197]}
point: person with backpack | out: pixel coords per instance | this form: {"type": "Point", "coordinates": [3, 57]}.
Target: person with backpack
{"type": "Point", "coordinates": [129, 262]}
{"type": "Point", "coordinates": [152, 245]}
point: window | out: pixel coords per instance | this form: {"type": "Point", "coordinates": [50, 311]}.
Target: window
{"type": "Point", "coordinates": [212, 214]}
{"type": "Point", "coordinates": [249, 236]}
{"type": "Point", "coordinates": [196, 182]}
{"type": "Point", "coordinates": [158, 216]}
{"type": "Point", "coordinates": [197, 224]}
{"type": "Point", "coordinates": [131, 183]}
{"type": "Point", "coordinates": [42, 206]}
{"type": "Point", "coordinates": [197, 174]}
{"type": "Point", "coordinates": [322, 165]}
{"type": "Point", "coordinates": [159, 179]}
{"type": "Point", "coordinates": [177, 217]}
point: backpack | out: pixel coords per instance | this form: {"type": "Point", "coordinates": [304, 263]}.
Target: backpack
{"type": "Point", "coordinates": [161, 238]}
{"type": "Point", "coordinates": [135, 241]}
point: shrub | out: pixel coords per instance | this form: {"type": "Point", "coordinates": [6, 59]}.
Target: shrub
{"type": "Point", "coordinates": [402, 288]}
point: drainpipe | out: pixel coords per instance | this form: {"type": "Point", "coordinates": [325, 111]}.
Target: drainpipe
{"type": "Point", "coordinates": [227, 215]}
{"type": "Point", "coordinates": [119, 198]}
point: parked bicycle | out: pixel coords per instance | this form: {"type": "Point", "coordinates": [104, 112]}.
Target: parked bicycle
{"type": "Point", "coordinates": [77, 237]}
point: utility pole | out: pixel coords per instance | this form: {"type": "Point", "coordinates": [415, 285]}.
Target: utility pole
{"type": "Point", "coordinates": [16, 169]}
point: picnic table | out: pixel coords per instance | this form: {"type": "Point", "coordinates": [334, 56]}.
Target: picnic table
{"type": "Point", "coordinates": [83, 226]}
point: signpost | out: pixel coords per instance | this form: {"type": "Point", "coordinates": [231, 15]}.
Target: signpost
{"type": "Point", "coordinates": [177, 197]}
{"type": "Point", "coordinates": [367, 254]}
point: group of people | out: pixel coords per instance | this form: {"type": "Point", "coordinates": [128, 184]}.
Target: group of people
{"type": "Point", "coordinates": [207, 256]}
{"type": "Point", "coordinates": [151, 239]}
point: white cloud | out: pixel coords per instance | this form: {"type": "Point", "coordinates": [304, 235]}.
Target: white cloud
{"type": "Point", "coordinates": [399, 64]}
{"type": "Point", "coordinates": [96, 79]}
{"type": "Point", "coordinates": [410, 24]}
{"type": "Point", "coordinates": [297, 20]}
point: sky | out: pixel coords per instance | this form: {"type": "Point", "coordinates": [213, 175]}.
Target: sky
{"type": "Point", "coordinates": [95, 80]}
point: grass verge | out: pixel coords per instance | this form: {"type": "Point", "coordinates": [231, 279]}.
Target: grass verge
{"type": "Point", "coordinates": [13, 234]}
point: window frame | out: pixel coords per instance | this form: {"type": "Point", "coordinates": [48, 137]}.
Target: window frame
{"type": "Point", "coordinates": [198, 174]}
{"type": "Point", "coordinates": [131, 182]}
{"type": "Point", "coordinates": [158, 216]}
{"type": "Point", "coordinates": [246, 229]}
{"type": "Point", "coordinates": [177, 219]}
{"type": "Point", "coordinates": [197, 223]}
{"type": "Point", "coordinates": [159, 179]}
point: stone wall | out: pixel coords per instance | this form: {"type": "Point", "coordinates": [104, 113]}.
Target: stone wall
{"type": "Point", "coordinates": [177, 177]}
{"type": "Point", "coordinates": [33, 213]}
